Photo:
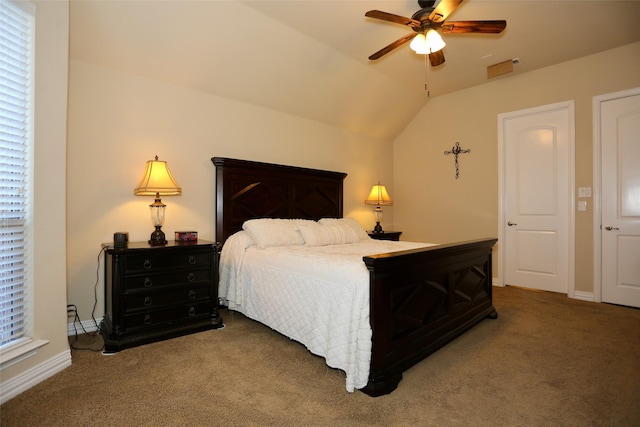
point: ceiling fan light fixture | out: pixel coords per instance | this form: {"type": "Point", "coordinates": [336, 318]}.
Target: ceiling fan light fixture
{"type": "Point", "coordinates": [419, 44]}
{"type": "Point", "coordinates": [434, 41]}
{"type": "Point", "coordinates": [426, 44]}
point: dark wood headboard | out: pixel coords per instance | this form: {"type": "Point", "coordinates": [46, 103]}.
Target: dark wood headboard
{"type": "Point", "coordinates": [247, 190]}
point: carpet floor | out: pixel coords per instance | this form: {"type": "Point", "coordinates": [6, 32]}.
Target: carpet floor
{"type": "Point", "coordinates": [546, 361]}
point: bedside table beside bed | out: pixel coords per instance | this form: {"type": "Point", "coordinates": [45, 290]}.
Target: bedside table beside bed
{"type": "Point", "coordinates": [385, 235]}
{"type": "Point", "coordinates": [159, 292]}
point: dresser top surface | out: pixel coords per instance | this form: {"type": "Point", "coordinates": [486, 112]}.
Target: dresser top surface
{"type": "Point", "coordinates": [170, 244]}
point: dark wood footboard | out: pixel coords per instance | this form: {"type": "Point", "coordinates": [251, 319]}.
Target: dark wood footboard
{"type": "Point", "coordinates": [422, 299]}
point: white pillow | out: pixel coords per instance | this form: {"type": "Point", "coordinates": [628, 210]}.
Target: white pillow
{"type": "Point", "coordinates": [315, 234]}
{"type": "Point", "coordinates": [267, 232]}
{"type": "Point", "coordinates": [349, 223]}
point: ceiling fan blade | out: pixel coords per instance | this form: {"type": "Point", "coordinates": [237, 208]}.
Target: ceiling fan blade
{"type": "Point", "coordinates": [493, 27]}
{"type": "Point", "coordinates": [385, 16]}
{"type": "Point", "coordinates": [392, 46]}
{"type": "Point", "coordinates": [443, 10]}
{"type": "Point", "coordinates": [436, 58]}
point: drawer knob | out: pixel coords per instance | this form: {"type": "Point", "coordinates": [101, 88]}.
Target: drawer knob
{"type": "Point", "coordinates": [192, 311]}
{"type": "Point", "coordinates": [192, 259]}
{"type": "Point", "coordinates": [148, 282]}
{"type": "Point", "coordinates": [192, 294]}
{"type": "Point", "coordinates": [147, 301]}
{"type": "Point", "coordinates": [147, 319]}
{"type": "Point", "coordinates": [191, 277]}
{"type": "Point", "coordinates": [147, 263]}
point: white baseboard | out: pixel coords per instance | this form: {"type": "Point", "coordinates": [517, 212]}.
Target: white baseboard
{"type": "Point", "coordinates": [88, 325]}
{"type": "Point", "coordinates": [581, 295]}
{"type": "Point", "coordinates": [33, 376]}
{"type": "Point", "coordinates": [584, 296]}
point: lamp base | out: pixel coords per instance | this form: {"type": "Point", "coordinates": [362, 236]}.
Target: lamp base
{"type": "Point", "coordinates": [378, 228]}
{"type": "Point", "coordinates": [157, 237]}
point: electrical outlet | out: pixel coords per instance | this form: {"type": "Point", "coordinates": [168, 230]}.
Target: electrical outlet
{"type": "Point", "coordinates": [582, 205]}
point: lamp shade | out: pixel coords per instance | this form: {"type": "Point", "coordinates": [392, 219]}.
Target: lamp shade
{"type": "Point", "coordinates": [378, 196]}
{"type": "Point", "coordinates": [157, 180]}
{"type": "Point", "coordinates": [426, 44]}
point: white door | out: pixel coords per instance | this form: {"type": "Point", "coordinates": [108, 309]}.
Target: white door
{"type": "Point", "coordinates": [537, 197]}
{"type": "Point", "coordinates": [620, 190]}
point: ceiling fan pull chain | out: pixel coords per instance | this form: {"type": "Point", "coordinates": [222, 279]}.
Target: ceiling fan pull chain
{"type": "Point", "coordinates": [426, 77]}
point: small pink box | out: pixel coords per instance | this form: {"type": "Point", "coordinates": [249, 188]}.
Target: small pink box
{"type": "Point", "coordinates": [186, 236]}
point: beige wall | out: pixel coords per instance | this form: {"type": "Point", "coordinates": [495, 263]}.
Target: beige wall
{"type": "Point", "coordinates": [118, 121]}
{"type": "Point", "coordinates": [50, 287]}
{"type": "Point", "coordinates": [431, 205]}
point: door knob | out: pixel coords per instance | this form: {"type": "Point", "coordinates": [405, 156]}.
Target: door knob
{"type": "Point", "coordinates": [609, 228]}
{"type": "Point", "coordinates": [511, 224]}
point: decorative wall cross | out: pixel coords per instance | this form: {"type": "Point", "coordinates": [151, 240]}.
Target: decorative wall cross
{"type": "Point", "coordinates": [455, 150]}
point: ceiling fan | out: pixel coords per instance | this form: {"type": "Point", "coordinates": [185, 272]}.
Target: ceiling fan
{"type": "Point", "coordinates": [429, 18]}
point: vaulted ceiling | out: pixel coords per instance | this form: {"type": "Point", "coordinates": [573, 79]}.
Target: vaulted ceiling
{"type": "Point", "coordinates": [310, 57]}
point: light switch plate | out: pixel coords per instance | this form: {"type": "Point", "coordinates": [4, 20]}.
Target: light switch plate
{"type": "Point", "coordinates": [584, 192]}
{"type": "Point", "coordinates": [582, 205]}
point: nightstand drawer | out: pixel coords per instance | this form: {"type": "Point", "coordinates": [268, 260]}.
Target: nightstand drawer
{"type": "Point", "coordinates": [156, 260]}
{"type": "Point", "coordinates": [151, 300]}
{"type": "Point", "coordinates": [167, 316]}
{"type": "Point", "coordinates": [153, 281]}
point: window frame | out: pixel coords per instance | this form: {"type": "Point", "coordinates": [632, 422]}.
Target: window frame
{"type": "Point", "coordinates": [25, 345]}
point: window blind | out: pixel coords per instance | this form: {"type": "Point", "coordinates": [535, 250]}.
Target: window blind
{"type": "Point", "coordinates": [15, 136]}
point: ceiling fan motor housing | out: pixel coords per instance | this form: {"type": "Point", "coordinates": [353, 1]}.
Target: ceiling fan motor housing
{"type": "Point", "coordinates": [423, 16]}
{"type": "Point", "coordinates": [426, 3]}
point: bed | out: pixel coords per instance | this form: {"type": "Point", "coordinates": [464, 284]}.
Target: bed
{"type": "Point", "coordinates": [416, 297]}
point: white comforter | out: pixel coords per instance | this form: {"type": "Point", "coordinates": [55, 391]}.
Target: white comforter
{"type": "Point", "coordinates": [318, 296]}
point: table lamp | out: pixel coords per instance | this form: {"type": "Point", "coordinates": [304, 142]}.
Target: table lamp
{"type": "Point", "coordinates": [378, 196]}
{"type": "Point", "coordinates": [157, 181]}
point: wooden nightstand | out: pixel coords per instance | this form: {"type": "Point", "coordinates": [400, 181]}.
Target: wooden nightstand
{"type": "Point", "coordinates": [159, 292]}
{"type": "Point", "coordinates": [386, 235]}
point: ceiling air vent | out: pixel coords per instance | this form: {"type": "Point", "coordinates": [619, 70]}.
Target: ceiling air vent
{"type": "Point", "coordinates": [501, 68]}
